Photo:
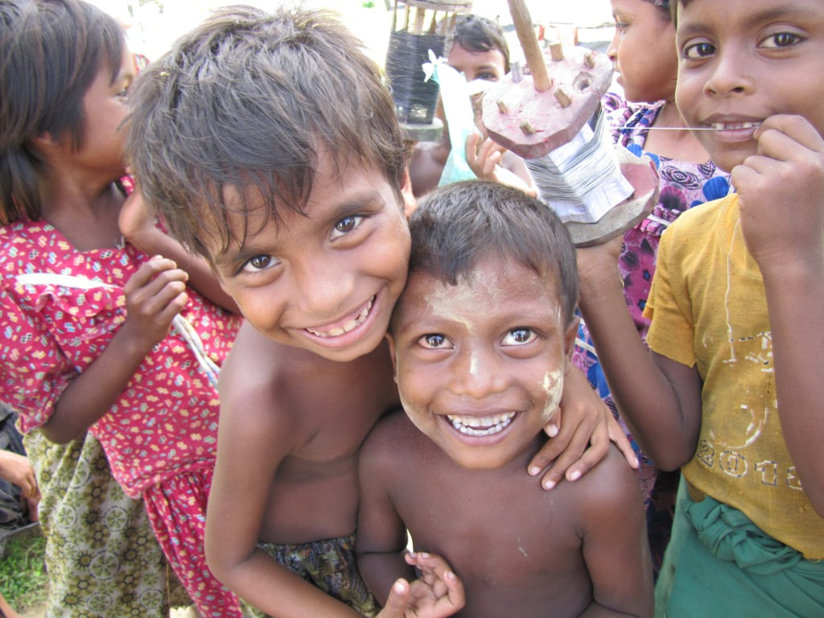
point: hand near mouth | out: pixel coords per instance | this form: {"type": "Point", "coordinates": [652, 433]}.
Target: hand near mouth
{"type": "Point", "coordinates": [780, 193]}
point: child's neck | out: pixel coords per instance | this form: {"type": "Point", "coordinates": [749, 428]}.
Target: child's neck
{"type": "Point", "coordinates": [86, 215]}
{"type": "Point", "coordinates": [678, 145]}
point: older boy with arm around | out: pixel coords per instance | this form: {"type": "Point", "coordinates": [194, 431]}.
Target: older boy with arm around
{"type": "Point", "coordinates": [270, 145]}
{"type": "Point", "coordinates": [481, 342]}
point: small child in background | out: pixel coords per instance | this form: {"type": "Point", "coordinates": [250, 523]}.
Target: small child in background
{"type": "Point", "coordinates": [644, 119]}
{"type": "Point", "coordinates": [480, 52]}
{"type": "Point", "coordinates": [101, 334]}
{"type": "Point", "coordinates": [731, 390]}
{"type": "Point", "coordinates": [19, 493]}
{"type": "Point", "coordinates": [270, 143]}
{"type": "Point", "coordinates": [481, 341]}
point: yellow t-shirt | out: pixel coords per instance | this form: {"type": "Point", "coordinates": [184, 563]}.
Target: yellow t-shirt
{"type": "Point", "coordinates": [708, 308]}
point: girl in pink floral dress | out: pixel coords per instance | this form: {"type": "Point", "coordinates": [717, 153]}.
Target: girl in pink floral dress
{"type": "Point", "coordinates": [644, 119]}
{"type": "Point", "coordinates": [100, 333]}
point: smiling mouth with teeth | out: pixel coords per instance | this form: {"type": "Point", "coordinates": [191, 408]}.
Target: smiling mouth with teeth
{"type": "Point", "coordinates": [721, 126]}
{"type": "Point", "coordinates": [352, 324]}
{"type": "Point", "coordinates": [479, 426]}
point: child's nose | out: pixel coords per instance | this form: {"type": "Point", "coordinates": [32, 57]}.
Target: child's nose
{"type": "Point", "coordinates": [612, 50]}
{"type": "Point", "coordinates": [478, 373]}
{"type": "Point", "coordinates": [323, 286]}
{"type": "Point", "coordinates": [730, 74]}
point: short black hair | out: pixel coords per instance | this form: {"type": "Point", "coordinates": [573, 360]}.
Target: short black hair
{"type": "Point", "coordinates": [457, 225]}
{"type": "Point", "coordinates": [480, 34]}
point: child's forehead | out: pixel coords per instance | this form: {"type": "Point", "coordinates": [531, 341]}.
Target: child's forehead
{"type": "Point", "coordinates": [493, 277]}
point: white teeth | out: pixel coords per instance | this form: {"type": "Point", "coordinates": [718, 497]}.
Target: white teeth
{"type": "Point", "coordinates": [720, 126]}
{"type": "Point", "coordinates": [350, 325]}
{"type": "Point", "coordinates": [478, 426]}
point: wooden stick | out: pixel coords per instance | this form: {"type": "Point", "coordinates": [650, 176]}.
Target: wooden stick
{"type": "Point", "coordinates": [420, 13]}
{"type": "Point", "coordinates": [529, 43]}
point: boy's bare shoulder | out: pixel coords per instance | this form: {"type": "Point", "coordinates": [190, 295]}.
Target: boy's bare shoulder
{"type": "Point", "coordinates": [253, 367]}
{"type": "Point", "coordinates": [609, 485]}
{"type": "Point", "coordinates": [393, 440]}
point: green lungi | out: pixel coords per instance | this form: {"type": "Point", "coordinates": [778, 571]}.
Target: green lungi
{"type": "Point", "coordinates": [719, 563]}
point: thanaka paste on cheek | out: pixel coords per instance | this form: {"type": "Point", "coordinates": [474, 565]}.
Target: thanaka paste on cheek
{"type": "Point", "coordinates": [553, 385]}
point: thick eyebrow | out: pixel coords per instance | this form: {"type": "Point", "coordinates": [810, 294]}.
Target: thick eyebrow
{"type": "Point", "coordinates": [769, 14]}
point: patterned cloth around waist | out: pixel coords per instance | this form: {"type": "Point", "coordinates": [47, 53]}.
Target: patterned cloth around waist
{"type": "Point", "coordinates": [329, 564]}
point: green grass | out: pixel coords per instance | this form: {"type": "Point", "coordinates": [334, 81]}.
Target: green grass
{"type": "Point", "coordinates": [23, 578]}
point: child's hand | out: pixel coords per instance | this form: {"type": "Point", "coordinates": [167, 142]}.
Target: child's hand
{"type": "Point", "coordinates": [136, 217]}
{"type": "Point", "coordinates": [599, 264]}
{"type": "Point", "coordinates": [582, 439]}
{"type": "Point", "coordinates": [781, 193]}
{"type": "Point", "coordinates": [155, 294]}
{"type": "Point", "coordinates": [17, 469]}
{"type": "Point", "coordinates": [437, 591]}
{"type": "Point", "coordinates": [484, 158]}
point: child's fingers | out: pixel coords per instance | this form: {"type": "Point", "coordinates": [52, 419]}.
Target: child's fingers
{"type": "Point", "coordinates": [154, 274]}
{"type": "Point", "coordinates": [583, 446]}
{"type": "Point", "coordinates": [472, 141]}
{"type": "Point", "coordinates": [155, 285]}
{"type": "Point", "coordinates": [29, 485]}
{"type": "Point", "coordinates": [782, 133]}
{"type": "Point", "coordinates": [546, 455]}
{"type": "Point", "coordinates": [163, 304]}
{"type": "Point", "coordinates": [454, 590]}
{"type": "Point", "coordinates": [431, 567]}
{"type": "Point", "coordinates": [620, 439]}
{"type": "Point", "coordinates": [397, 601]}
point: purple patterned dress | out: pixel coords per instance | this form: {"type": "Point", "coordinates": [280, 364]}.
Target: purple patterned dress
{"type": "Point", "coordinates": [683, 184]}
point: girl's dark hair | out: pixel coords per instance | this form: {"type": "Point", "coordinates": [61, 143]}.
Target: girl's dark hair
{"type": "Point", "coordinates": [247, 102]}
{"type": "Point", "coordinates": [480, 34]}
{"type": "Point", "coordinates": [456, 226]}
{"type": "Point", "coordinates": [52, 51]}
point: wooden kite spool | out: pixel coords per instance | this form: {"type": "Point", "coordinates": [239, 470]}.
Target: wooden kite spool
{"type": "Point", "coordinates": [552, 118]}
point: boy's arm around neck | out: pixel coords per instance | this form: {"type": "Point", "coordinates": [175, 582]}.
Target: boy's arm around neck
{"type": "Point", "coordinates": [659, 398]}
{"type": "Point", "coordinates": [781, 200]}
{"type": "Point", "coordinates": [137, 224]}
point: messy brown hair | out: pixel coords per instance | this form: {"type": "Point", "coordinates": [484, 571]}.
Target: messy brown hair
{"type": "Point", "coordinates": [245, 102]}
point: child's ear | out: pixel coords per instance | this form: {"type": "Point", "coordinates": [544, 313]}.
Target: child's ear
{"type": "Point", "coordinates": [391, 343]}
{"type": "Point", "coordinates": [409, 201]}
{"type": "Point", "coordinates": [569, 339]}
{"type": "Point", "coordinates": [44, 142]}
